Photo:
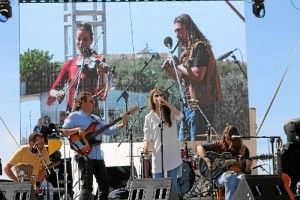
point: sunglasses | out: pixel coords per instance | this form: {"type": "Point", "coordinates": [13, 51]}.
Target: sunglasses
{"type": "Point", "coordinates": [159, 95]}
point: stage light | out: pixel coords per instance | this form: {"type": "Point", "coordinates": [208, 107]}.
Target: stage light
{"type": "Point", "coordinates": [5, 12]}
{"type": "Point", "coordinates": [259, 8]}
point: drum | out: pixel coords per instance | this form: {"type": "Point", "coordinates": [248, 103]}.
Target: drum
{"type": "Point", "coordinates": [184, 153]}
{"type": "Point", "coordinates": [24, 171]}
{"type": "Point", "coordinates": [195, 162]}
{"type": "Point", "coordinates": [187, 179]}
{"type": "Point", "coordinates": [146, 166]}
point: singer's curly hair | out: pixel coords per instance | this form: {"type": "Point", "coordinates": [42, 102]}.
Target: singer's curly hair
{"type": "Point", "coordinates": [193, 31]}
{"type": "Point", "coordinates": [84, 26]}
{"type": "Point", "coordinates": [166, 110]}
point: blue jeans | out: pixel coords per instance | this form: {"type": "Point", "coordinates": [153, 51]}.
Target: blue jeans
{"type": "Point", "coordinates": [230, 180]}
{"type": "Point", "coordinates": [171, 173]}
{"type": "Point", "coordinates": [188, 125]}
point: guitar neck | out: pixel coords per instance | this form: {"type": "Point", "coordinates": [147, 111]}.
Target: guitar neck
{"type": "Point", "coordinates": [114, 122]}
{"type": "Point", "coordinates": [102, 129]}
{"type": "Point", "coordinates": [279, 165]}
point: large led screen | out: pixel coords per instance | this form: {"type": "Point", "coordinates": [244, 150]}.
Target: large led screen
{"type": "Point", "coordinates": [133, 40]}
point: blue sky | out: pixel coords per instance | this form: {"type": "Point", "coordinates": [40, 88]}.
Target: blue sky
{"type": "Point", "coordinates": [271, 42]}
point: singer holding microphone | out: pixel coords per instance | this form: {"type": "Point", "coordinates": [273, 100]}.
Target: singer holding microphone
{"type": "Point", "coordinates": [161, 109]}
{"type": "Point", "coordinates": [29, 155]}
{"type": "Point", "coordinates": [198, 75]}
{"type": "Point", "coordinates": [92, 77]}
{"type": "Point", "coordinates": [229, 179]}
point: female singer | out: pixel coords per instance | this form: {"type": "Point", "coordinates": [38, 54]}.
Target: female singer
{"type": "Point", "coordinates": [161, 121]}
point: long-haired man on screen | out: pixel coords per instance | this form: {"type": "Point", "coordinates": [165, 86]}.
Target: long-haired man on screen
{"type": "Point", "coordinates": [198, 75]}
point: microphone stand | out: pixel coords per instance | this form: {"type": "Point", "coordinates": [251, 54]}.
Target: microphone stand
{"type": "Point", "coordinates": [238, 63]}
{"type": "Point", "coordinates": [161, 125]}
{"type": "Point", "coordinates": [182, 93]}
{"type": "Point", "coordinates": [76, 147]}
{"type": "Point", "coordinates": [65, 172]}
{"type": "Point", "coordinates": [47, 171]}
{"type": "Point", "coordinates": [210, 128]}
{"type": "Point", "coordinates": [131, 148]}
{"type": "Point", "coordinates": [264, 170]}
{"type": "Point", "coordinates": [124, 94]}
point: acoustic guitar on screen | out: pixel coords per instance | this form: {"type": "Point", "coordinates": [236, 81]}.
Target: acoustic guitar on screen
{"type": "Point", "coordinates": [84, 143]}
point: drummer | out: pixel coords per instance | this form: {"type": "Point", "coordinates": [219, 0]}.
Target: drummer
{"type": "Point", "coordinates": [29, 155]}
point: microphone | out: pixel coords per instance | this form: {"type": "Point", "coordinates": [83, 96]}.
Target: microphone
{"type": "Point", "coordinates": [168, 42]}
{"type": "Point", "coordinates": [35, 147]}
{"type": "Point", "coordinates": [86, 52]}
{"type": "Point", "coordinates": [222, 57]}
{"type": "Point", "coordinates": [240, 136]}
{"type": "Point", "coordinates": [159, 103]}
{"type": "Point", "coordinates": [236, 136]}
{"type": "Point", "coordinates": [257, 166]}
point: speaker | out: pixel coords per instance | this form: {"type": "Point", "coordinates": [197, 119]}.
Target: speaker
{"type": "Point", "coordinates": [145, 189]}
{"type": "Point", "coordinates": [118, 176]}
{"type": "Point", "coordinates": [17, 191]}
{"type": "Point", "coordinates": [262, 187]}
{"type": "Point", "coordinates": [290, 162]}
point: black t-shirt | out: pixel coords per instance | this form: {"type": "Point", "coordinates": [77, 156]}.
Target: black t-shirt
{"type": "Point", "coordinates": [200, 56]}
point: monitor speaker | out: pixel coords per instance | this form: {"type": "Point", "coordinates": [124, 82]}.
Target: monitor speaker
{"type": "Point", "coordinates": [118, 176]}
{"type": "Point", "coordinates": [262, 187]}
{"type": "Point", "coordinates": [17, 191]}
{"type": "Point", "coordinates": [144, 189]}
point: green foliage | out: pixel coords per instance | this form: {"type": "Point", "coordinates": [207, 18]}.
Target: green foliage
{"type": "Point", "coordinates": [34, 62]}
{"type": "Point", "coordinates": [141, 80]}
{"type": "Point", "coordinates": [234, 108]}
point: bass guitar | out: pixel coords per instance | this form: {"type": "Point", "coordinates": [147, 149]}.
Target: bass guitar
{"type": "Point", "coordinates": [84, 143]}
{"type": "Point", "coordinates": [285, 177]}
{"type": "Point", "coordinates": [224, 162]}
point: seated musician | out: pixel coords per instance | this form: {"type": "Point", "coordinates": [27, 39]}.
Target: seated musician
{"type": "Point", "coordinates": [29, 155]}
{"type": "Point", "coordinates": [230, 177]}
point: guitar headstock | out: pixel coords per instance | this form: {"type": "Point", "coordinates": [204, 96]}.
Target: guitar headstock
{"type": "Point", "coordinates": [278, 143]}
{"type": "Point", "coordinates": [135, 109]}
{"type": "Point", "coordinates": [263, 157]}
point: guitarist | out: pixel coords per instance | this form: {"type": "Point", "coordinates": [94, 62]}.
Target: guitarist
{"type": "Point", "coordinates": [231, 178]}
{"type": "Point", "coordinates": [92, 163]}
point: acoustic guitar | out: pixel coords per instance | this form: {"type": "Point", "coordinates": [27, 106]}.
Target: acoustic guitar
{"type": "Point", "coordinates": [224, 162]}
{"type": "Point", "coordinates": [84, 143]}
{"type": "Point", "coordinates": [285, 177]}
